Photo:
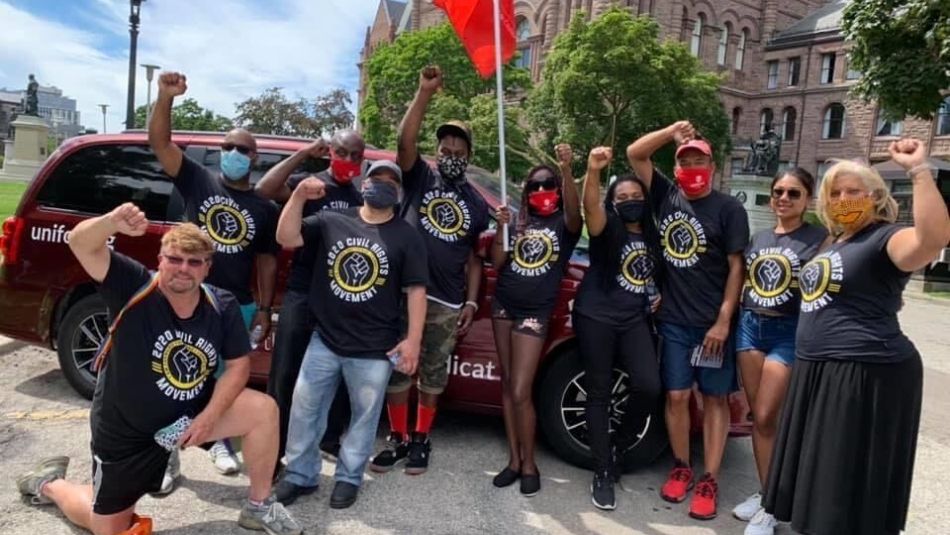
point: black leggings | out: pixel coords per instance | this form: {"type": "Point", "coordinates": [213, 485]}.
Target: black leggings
{"type": "Point", "coordinates": [632, 349]}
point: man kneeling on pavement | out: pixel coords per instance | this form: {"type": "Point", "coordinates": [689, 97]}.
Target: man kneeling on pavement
{"type": "Point", "coordinates": [156, 389]}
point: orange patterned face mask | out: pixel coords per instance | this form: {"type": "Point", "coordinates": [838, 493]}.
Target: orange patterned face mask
{"type": "Point", "coordinates": [851, 213]}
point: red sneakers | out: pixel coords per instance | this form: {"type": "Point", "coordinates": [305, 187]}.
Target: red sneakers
{"type": "Point", "coordinates": [678, 483]}
{"type": "Point", "coordinates": [703, 506]}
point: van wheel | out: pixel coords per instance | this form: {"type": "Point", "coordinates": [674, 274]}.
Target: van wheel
{"type": "Point", "coordinates": [562, 415]}
{"type": "Point", "coordinates": [81, 333]}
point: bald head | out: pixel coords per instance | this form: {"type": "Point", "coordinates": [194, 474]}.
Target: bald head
{"type": "Point", "coordinates": [240, 136]}
{"type": "Point", "coordinates": [348, 145]}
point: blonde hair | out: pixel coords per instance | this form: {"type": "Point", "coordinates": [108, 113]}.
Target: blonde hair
{"type": "Point", "coordinates": [885, 207]}
{"type": "Point", "coordinates": [189, 239]}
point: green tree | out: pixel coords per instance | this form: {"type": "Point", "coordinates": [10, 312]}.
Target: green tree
{"type": "Point", "coordinates": [274, 113]}
{"type": "Point", "coordinates": [902, 48]}
{"type": "Point", "coordinates": [189, 115]}
{"type": "Point", "coordinates": [611, 80]}
{"type": "Point", "coordinates": [393, 77]}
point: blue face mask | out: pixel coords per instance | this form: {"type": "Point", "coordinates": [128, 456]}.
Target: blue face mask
{"type": "Point", "coordinates": [380, 195]}
{"type": "Point", "coordinates": [234, 165]}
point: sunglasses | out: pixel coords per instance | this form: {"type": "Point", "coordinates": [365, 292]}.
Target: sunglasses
{"type": "Point", "coordinates": [793, 194]}
{"type": "Point", "coordinates": [177, 260]}
{"type": "Point", "coordinates": [536, 185]}
{"type": "Point", "coordinates": [228, 147]}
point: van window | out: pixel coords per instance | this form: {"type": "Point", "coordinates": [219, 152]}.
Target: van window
{"type": "Point", "coordinates": [96, 179]}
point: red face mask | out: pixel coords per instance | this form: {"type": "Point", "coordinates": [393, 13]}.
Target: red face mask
{"type": "Point", "coordinates": [543, 202]}
{"type": "Point", "coordinates": [693, 180]}
{"type": "Point", "coordinates": [344, 171]}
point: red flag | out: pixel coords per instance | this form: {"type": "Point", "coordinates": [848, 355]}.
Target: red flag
{"type": "Point", "coordinates": [474, 23]}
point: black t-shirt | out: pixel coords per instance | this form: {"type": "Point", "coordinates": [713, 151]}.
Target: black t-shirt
{"type": "Point", "coordinates": [697, 237]}
{"type": "Point", "coordinates": [358, 277]}
{"type": "Point", "coordinates": [160, 366]}
{"type": "Point", "coordinates": [338, 197]}
{"type": "Point", "coordinates": [529, 281]}
{"type": "Point", "coordinates": [450, 218]}
{"type": "Point", "coordinates": [851, 293]}
{"type": "Point", "coordinates": [241, 224]}
{"type": "Point", "coordinates": [772, 263]}
{"type": "Point", "coordinates": [616, 294]}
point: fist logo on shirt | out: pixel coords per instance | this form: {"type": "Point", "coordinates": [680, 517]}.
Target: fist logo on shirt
{"type": "Point", "coordinates": [770, 275]}
{"type": "Point", "coordinates": [227, 224]}
{"type": "Point", "coordinates": [445, 215]}
{"type": "Point", "coordinates": [532, 249]}
{"type": "Point", "coordinates": [186, 365]}
{"type": "Point", "coordinates": [356, 268]}
{"type": "Point", "coordinates": [682, 239]}
{"type": "Point", "coordinates": [810, 277]}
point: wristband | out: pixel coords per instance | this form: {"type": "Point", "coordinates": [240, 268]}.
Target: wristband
{"type": "Point", "coordinates": [472, 304]}
{"type": "Point", "coordinates": [926, 166]}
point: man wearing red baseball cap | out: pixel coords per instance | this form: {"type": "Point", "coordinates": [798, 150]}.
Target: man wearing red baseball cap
{"type": "Point", "coordinates": [703, 233]}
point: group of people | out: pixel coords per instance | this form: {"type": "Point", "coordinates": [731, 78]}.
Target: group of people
{"type": "Point", "coordinates": [385, 276]}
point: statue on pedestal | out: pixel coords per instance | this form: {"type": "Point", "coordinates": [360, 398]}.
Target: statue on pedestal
{"type": "Point", "coordinates": [763, 160]}
{"type": "Point", "coordinates": [31, 102]}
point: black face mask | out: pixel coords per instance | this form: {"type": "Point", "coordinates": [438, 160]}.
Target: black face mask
{"type": "Point", "coordinates": [380, 195]}
{"type": "Point", "coordinates": [630, 211]}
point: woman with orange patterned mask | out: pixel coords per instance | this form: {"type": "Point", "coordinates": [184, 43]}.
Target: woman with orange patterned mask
{"type": "Point", "coordinates": [844, 454]}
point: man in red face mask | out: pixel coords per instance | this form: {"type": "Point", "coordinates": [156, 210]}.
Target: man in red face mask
{"type": "Point", "coordinates": [704, 233]}
{"type": "Point", "coordinates": [345, 151]}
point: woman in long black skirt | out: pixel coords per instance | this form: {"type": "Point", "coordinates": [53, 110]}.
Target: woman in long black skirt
{"type": "Point", "coordinates": [844, 455]}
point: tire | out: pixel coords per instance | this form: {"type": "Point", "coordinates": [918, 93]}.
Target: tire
{"type": "Point", "coordinates": [81, 333]}
{"type": "Point", "coordinates": [561, 415]}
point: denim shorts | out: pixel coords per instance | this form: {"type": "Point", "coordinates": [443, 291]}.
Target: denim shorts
{"type": "Point", "coordinates": [772, 335]}
{"type": "Point", "coordinates": [676, 371]}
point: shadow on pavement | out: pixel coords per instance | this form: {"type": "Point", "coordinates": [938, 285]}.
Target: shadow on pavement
{"type": "Point", "coordinates": [51, 386]}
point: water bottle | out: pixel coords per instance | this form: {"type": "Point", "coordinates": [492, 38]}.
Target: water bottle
{"type": "Point", "coordinates": [256, 334]}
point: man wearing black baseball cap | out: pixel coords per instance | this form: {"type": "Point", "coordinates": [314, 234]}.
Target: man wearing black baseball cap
{"type": "Point", "coordinates": [449, 215]}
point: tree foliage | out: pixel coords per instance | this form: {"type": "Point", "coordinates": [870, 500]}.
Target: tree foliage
{"type": "Point", "coordinates": [611, 80]}
{"type": "Point", "coordinates": [189, 115]}
{"type": "Point", "coordinates": [274, 113]}
{"type": "Point", "coordinates": [902, 48]}
{"type": "Point", "coordinates": [393, 77]}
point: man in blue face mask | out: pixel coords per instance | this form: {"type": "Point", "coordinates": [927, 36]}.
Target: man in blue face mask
{"type": "Point", "coordinates": [241, 224]}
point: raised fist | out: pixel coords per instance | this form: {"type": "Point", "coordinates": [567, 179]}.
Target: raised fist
{"type": "Point", "coordinates": [129, 220]}
{"type": "Point", "coordinates": [311, 188]}
{"type": "Point", "coordinates": [908, 152]}
{"type": "Point", "coordinates": [599, 158]}
{"type": "Point", "coordinates": [564, 154]}
{"type": "Point", "coordinates": [430, 79]}
{"type": "Point", "coordinates": [319, 148]}
{"type": "Point", "coordinates": [682, 131]}
{"type": "Point", "coordinates": [172, 84]}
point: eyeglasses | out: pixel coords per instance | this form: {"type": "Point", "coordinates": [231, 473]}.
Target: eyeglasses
{"type": "Point", "coordinates": [177, 260]}
{"type": "Point", "coordinates": [793, 193]}
{"type": "Point", "coordinates": [536, 185]}
{"type": "Point", "coordinates": [228, 147]}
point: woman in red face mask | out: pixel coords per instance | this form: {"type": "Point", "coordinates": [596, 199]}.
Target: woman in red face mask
{"type": "Point", "coordinates": [529, 276]}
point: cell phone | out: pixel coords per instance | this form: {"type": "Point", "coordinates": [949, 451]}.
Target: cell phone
{"type": "Point", "coordinates": [168, 436]}
{"type": "Point", "coordinates": [703, 359]}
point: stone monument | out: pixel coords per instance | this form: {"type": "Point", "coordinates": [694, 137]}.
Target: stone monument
{"type": "Point", "coordinates": [750, 184]}
{"type": "Point", "coordinates": [24, 157]}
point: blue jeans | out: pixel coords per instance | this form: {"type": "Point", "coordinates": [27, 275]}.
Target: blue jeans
{"type": "Point", "coordinates": [772, 335]}
{"type": "Point", "coordinates": [320, 374]}
{"type": "Point", "coordinates": [679, 374]}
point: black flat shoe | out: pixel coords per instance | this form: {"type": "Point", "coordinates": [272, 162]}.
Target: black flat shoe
{"type": "Point", "coordinates": [505, 478]}
{"type": "Point", "coordinates": [530, 484]}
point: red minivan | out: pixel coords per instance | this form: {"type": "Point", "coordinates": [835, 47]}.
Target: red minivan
{"type": "Point", "coordinates": [47, 299]}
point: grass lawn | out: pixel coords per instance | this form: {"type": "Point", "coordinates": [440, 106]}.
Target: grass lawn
{"type": "Point", "coordinates": [10, 193]}
{"type": "Point", "coordinates": [942, 295]}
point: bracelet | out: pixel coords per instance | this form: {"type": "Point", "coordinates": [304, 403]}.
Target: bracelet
{"type": "Point", "coordinates": [472, 304]}
{"type": "Point", "coordinates": [917, 169]}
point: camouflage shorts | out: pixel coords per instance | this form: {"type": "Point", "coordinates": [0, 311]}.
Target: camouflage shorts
{"type": "Point", "coordinates": [438, 341]}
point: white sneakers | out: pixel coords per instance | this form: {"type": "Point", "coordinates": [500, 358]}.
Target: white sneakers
{"type": "Point", "coordinates": [172, 473]}
{"type": "Point", "coordinates": [225, 462]}
{"type": "Point", "coordinates": [747, 509]}
{"type": "Point", "coordinates": [762, 523]}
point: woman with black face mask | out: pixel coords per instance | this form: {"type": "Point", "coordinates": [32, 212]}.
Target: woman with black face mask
{"type": "Point", "coordinates": [529, 277]}
{"type": "Point", "coordinates": [612, 317]}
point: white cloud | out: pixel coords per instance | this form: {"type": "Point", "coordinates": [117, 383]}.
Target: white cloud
{"type": "Point", "coordinates": [230, 50]}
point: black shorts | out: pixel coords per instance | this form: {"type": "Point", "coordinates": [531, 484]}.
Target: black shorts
{"type": "Point", "coordinates": [119, 481]}
{"type": "Point", "coordinates": [530, 324]}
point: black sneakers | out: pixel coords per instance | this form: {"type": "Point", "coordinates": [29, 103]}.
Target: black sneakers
{"type": "Point", "coordinates": [419, 449]}
{"type": "Point", "coordinates": [387, 459]}
{"type": "Point", "coordinates": [343, 495]}
{"type": "Point", "coordinates": [602, 491]}
{"type": "Point", "coordinates": [287, 493]}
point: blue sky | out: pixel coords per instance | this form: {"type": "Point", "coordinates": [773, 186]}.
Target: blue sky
{"type": "Point", "coordinates": [229, 49]}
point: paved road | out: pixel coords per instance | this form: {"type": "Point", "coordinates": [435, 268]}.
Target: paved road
{"type": "Point", "coordinates": [41, 416]}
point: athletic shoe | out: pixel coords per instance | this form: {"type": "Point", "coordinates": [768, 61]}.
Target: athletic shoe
{"type": "Point", "coordinates": [419, 450]}
{"type": "Point", "coordinates": [387, 459]}
{"type": "Point", "coordinates": [602, 492]}
{"type": "Point", "coordinates": [224, 459]}
{"type": "Point", "coordinates": [31, 483]}
{"type": "Point", "coordinates": [287, 493]}
{"type": "Point", "coordinates": [761, 524]}
{"type": "Point", "coordinates": [269, 517]}
{"type": "Point", "coordinates": [530, 484]}
{"type": "Point", "coordinates": [703, 506]}
{"type": "Point", "coordinates": [747, 509]}
{"type": "Point", "coordinates": [172, 473]}
{"type": "Point", "coordinates": [505, 478]}
{"type": "Point", "coordinates": [678, 483]}
{"type": "Point", "coordinates": [344, 495]}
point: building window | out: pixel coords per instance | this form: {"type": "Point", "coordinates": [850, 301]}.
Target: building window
{"type": "Point", "coordinates": [740, 50]}
{"type": "Point", "coordinates": [828, 68]}
{"type": "Point", "coordinates": [765, 120]}
{"type": "Point", "coordinates": [823, 168]}
{"type": "Point", "coordinates": [736, 115]}
{"type": "Point", "coordinates": [833, 127]}
{"type": "Point", "coordinates": [523, 32]}
{"type": "Point", "coordinates": [696, 41]}
{"type": "Point", "coordinates": [852, 74]}
{"type": "Point", "coordinates": [943, 118]}
{"type": "Point", "coordinates": [794, 70]}
{"type": "Point", "coordinates": [772, 67]}
{"type": "Point", "coordinates": [723, 44]}
{"type": "Point", "coordinates": [789, 116]}
{"type": "Point", "coordinates": [886, 127]}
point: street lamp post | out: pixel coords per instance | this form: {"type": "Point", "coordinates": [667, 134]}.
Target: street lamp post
{"type": "Point", "coordinates": [103, 107]}
{"type": "Point", "coordinates": [134, 7]}
{"type": "Point", "coordinates": [149, 72]}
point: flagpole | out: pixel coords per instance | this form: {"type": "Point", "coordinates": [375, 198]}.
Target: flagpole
{"type": "Point", "coordinates": [499, 92]}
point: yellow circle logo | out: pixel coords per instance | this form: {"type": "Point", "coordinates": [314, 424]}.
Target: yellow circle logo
{"type": "Point", "coordinates": [770, 275]}
{"type": "Point", "coordinates": [184, 365]}
{"type": "Point", "coordinates": [533, 250]}
{"type": "Point", "coordinates": [814, 278]}
{"type": "Point", "coordinates": [355, 269]}
{"type": "Point", "coordinates": [682, 241]}
{"type": "Point", "coordinates": [225, 224]}
{"type": "Point", "coordinates": [445, 215]}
